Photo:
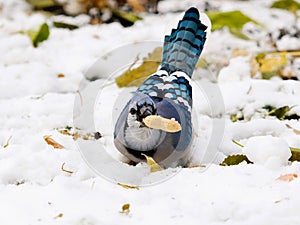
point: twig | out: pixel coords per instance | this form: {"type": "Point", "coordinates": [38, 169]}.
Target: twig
{"type": "Point", "coordinates": [237, 143]}
{"type": "Point", "coordinates": [67, 171]}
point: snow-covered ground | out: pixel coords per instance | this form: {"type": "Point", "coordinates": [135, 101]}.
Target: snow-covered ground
{"type": "Point", "coordinates": [40, 184]}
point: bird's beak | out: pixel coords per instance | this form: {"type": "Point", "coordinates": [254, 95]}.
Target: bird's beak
{"type": "Point", "coordinates": [144, 112]}
{"type": "Point", "coordinates": [147, 112]}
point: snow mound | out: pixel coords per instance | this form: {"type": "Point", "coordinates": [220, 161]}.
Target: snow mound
{"type": "Point", "coordinates": [267, 150]}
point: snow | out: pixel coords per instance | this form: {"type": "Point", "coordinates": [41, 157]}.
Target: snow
{"type": "Point", "coordinates": [35, 185]}
{"type": "Point", "coordinates": [263, 149]}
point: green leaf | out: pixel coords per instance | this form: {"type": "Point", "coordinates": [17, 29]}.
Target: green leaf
{"type": "Point", "coordinates": [127, 16]}
{"type": "Point", "coordinates": [68, 128]}
{"type": "Point", "coordinates": [40, 35]}
{"type": "Point", "coordinates": [236, 117]}
{"type": "Point", "coordinates": [295, 154]}
{"type": "Point", "coordinates": [269, 75]}
{"type": "Point", "coordinates": [234, 160]}
{"type": "Point", "coordinates": [41, 4]}
{"type": "Point", "coordinates": [289, 5]}
{"type": "Point", "coordinates": [65, 25]}
{"type": "Point", "coordinates": [234, 20]}
{"type": "Point", "coordinates": [280, 113]}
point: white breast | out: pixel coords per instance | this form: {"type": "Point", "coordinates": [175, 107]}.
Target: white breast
{"type": "Point", "coordinates": [142, 138]}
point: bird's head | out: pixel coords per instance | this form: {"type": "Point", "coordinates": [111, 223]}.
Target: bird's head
{"type": "Point", "coordinates": [140, 109]}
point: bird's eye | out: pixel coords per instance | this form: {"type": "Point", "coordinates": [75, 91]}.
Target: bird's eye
{"type": "Point", "coordinates": [132, 111]}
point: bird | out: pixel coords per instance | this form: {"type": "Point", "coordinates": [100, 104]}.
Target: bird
{"type": "Point", "coordinates": [166, 93]}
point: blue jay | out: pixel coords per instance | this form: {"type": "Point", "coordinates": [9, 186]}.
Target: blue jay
{"type": "Point", "coordinates": [166, 93]}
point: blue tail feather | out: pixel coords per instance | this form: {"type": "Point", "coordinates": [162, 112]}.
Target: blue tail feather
{"type": "Point", "coordinates": [184, 45]}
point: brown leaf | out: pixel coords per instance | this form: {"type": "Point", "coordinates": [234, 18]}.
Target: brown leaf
{"type": "Point", "coordinates": [65, 132]}
{"type": "Point", "coordinates": [125, 209]}
{"type": "Point", "coordinates": [136, 5]}
{"type": "Point", "coordinates": [59, 216]}
{"type": "Point", "coordinates": [50, 141]}
{"type": "Point", "coordinates": [288, 177]}
{"type": "Point", "coordinates": [60, 75]}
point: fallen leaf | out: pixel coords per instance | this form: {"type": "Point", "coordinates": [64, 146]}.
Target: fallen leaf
{"type": "Point", "coordinates": [288, 177]}
{"type": "Point", "coordinates": [59, 216]}
{"type": "Point", "coordinates": [65, 132]}
{"type": "Point", "coordinates": [51, 142]}
{"type": "Point", "coordinates": [41, 4]}
{"type": "Point", "coordinates": [234, 20]}
{"type": "Point", "coordinates": [76, 136]}
{"type": "Point", "coordinates": [234, 160]}
{"type": "Point", "coordinates": [154, 167]}
{"type": "Point", "coordinates": [135, 77]}
{"type": "Point", "coordinates": [136, 5]}
{"type": "Point", "coordinates": [271, 64]}
{"type": "Point", "coordinates": [295, 154]}
{"type": "Point", "coordinates": [125, 209]}
{"type": "Point", "coordinates": [280, 113]}
{"type": "Point", "coordinates": [129, 17]}
{"type": "Point", "coordinates": [236, 117]}
{"type": "Point", "coordinates": [40, 35]}
{"type": "Point", "coordinates": [128, 186]}
{"type": "Point", "coordinates": [65, 25]}
{"type": "Point", "coordinates": [289, 5]}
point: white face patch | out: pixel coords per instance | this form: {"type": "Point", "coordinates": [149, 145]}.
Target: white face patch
{"type": "Point", "coordinates": [140, 137]}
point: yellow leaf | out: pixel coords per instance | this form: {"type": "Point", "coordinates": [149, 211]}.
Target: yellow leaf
{"type": "Point", "coordinates": [135, 77]}
{"type": "Point", "coordinates": [154, 167]}
{"type": "Point", "coordinates": [128, 186]}
{"type": "Point", "coordinates": [51, 142]}
{"type": "Point", "coordinates": [272, 63]}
